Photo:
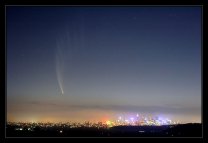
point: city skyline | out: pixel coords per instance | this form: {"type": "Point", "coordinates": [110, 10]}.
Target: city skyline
{"type": "Point", "coordinates": [99, 63]}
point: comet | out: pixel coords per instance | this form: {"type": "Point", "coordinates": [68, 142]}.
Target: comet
{"type": "Point", "coordinates": [63, 52]}
{"type": "Point", "coordinates": [60, 63]}
{"type": "Point", "coordinates": [62, 91]}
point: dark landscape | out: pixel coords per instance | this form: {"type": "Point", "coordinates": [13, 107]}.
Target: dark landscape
{"type": "Point", "coordinates": [180, 130]}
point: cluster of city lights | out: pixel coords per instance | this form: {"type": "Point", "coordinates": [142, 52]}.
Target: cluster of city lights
{"type": "Point", "coordinates": [31, 126]}
{"type": "Point", "coordinates": [139, 120]}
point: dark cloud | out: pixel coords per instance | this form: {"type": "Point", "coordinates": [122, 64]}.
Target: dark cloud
{"type": "Point", "coordinates": [128, 108]}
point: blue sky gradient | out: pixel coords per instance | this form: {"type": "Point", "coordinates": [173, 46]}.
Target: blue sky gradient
{"type": "Point", "coordinates": [110, 61]}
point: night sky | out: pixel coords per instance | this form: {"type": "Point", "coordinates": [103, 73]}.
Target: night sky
{"type": "Point", "coordinates": [98, 63]}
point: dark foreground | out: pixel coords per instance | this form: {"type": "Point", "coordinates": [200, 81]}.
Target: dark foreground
{"type": "Point", "coordinates": [182, 130]}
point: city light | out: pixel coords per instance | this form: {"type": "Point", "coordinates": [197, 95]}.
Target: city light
{"type": "Point", "coordinates": [120, 121]}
